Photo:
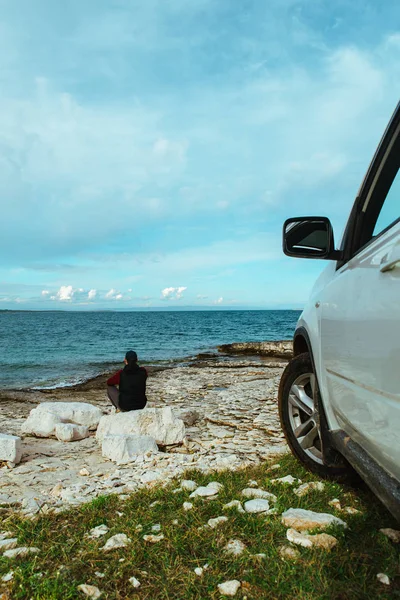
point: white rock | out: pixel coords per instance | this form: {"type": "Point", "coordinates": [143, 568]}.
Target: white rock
{"type": "Point", "coordinates": [234, 504]}
{"type": "Point", "coordinates": [5, 534]}
{"type": "Point", "coordinates": [252, 483]}
{"type": "Point", "coordinates": [135, 582]}
{"type": "Point", "coordinates": [124, 449]}
{"type": "Point", "coordinates": [257, 493]}
{"type": "Point", "coordinates": [288, 480]}
{"type": "Point", "coordinates": [8, 577]}
{"type": "Point", "coordinates": [235, 547]}
{"type": "Point", "coordinates": [319, 540]}
{"type": "Point", "coordinates": [305, 488]}
{"type": "Point", "coordinates": [258, 505]}
{"type": "Point", "coordinates": [98, 574]}
{"type": "Point", "coordinates": [69, 432]}
{"type": "Point", "coordinates": [215, 485]}
{"type": "Point", "coordinates": [392, 534]}
{"type": "Point", "coordinates": [204, 491]}
{"type": "Point", "coordinates": [383, 578]}
{"type": "Point", "coordinates": [289, 552]}
{"type": "Point", "coordinates": [20, 552]}
{"type": "Point", "coordinates": [260, 555]}
{"type": "Point", "coordinates": [84, 472]}
{"type": "Point", "coordinates": [120, 540]}
{"type": "Point", "coordinates": [151, 477]}
{"type": "Point", "coordinates": [213, 523]}
{"type": "Point", "coordinates": [43, 419]}
{"type": "Point", "coordinates": [56, 491]}
{"type": "Point", "coordinates": [153, 539]}
{"type": "Point", "coordinates": [199, 571]}
{"type": "Point", "coordinates": [156, 527]}
{"type": "Point", "coordinates": [188, 485]}
{"type": "Point", "coordinates": [159, 423]}
{"type": "Point", "coordinates": [10, 448]}
{"type": "Point", "coordinates": [91, 591]}
{"type": "Point", "coordinates": [98, 531]}
{"type": "Point", "coordinates": [187, 506]}
{"type": "Point", "coordinates": [229, 588]}
{"type": "Point", "coordinates": [301, 519]}
{"type": "Point", "coordinates": [8, 544]}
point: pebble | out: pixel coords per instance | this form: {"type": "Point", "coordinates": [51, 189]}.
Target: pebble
{"type": "Point", "coordinates": [392, 534]}
{"type": "Point", "coordinates": [234, 504]}
{"type": "Point", "coordinates": [305, 488]}
{"type": "Point", "coordinates": [235, 547]}
{"type": "Point", "coordinates": [98, 531]}
{"type": "Point", "coordinates": [319, 540]}
{"type": "Point", "coordinates": [8, 544]}
{"type": "Point", "coordinates": [156, 527]}
{"type": "Point", "coordinates": [84, 472]}
{"type": "Point", "coordinates": [187, 506]}
{"type": "Point", "coordinates": [252, 483]}
{"type": "Point", "coordinates": [199, 571]}
{"type": "Point", "coordinates": [288, 480]}
{"type": "Point", "coordinates": [258, 505]}
{"type": "Point", "coordinates": [257, 493]}
{"type": "Point", "coordinates": [20, 552]}
{"type": "Point", "coordinates": [383, 578]}
{"type": "Point", "coordinates": [56, 491]}
{"type": "Point", "coordinates": [260, 555]}
{"type": "Point", "coordinates": [229, 588]}
{"type": "Point", "coordinates": [135, 582]}
{"type": "Point", "coordinates": [8, 577]}
{"type": "Point", "coordinates": [91, 591]}
{"type": "Point", "coordinates": [98, 574]}
{"type": "Point", "coordinates": [119, 540]}
{"type": "Point", "coordinates": [153, 539]}
{"type": "Point", "coordinates": [289, 552]}
{"type": "Point", "coordinates": [213, 523]}
{"type": "Point", "coordinates": [204, 491]}
{"type": "Point", "coordinates": [188, 485]}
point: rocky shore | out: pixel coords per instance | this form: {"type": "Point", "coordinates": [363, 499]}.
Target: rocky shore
{"type": "Point", "coordinates": [228, 404]}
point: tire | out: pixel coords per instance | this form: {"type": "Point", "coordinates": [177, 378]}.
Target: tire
{"type": "Point", "coordinates": [299, 411]}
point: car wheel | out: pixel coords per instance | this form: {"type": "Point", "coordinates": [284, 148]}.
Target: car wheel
{"type": "Point", "coordinates": [300, 417]}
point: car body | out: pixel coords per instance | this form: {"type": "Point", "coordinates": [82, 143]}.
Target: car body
{"type": "Point", "coordinates": [350, 330]}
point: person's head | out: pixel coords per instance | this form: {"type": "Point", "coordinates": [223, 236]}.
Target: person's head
{"type": "Point", "coordinates": [130, 357]}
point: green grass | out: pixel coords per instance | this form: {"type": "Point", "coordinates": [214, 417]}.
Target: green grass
{"type": "Point", "coordinates": [68, 558]}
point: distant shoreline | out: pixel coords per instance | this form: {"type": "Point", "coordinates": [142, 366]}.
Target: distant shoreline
{"type": "Point", "coordinates": [147, 310]}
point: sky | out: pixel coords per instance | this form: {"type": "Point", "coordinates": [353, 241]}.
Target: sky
{"type": "Point", "coordinates": [150, 151]}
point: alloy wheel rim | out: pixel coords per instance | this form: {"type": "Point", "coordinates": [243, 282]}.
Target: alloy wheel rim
{"type": "Point", "coordinates": [304, 417]}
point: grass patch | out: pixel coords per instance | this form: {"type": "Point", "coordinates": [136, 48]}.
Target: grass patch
{"type": "Point", "coordinates": [68, 558]}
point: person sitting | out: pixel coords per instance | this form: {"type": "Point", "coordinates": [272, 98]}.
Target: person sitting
{"type": "Point", "coordinates": [131, 394]}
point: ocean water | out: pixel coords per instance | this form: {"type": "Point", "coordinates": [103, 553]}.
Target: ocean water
{"type": "Point", "coordinates": [51, 349]}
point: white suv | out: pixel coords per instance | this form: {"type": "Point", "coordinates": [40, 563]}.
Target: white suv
{"type": "Point", "coordinates": [339, 397]}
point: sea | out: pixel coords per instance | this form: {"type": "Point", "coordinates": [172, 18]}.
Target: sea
{"type": "Point", "coordinates": [49, 349]}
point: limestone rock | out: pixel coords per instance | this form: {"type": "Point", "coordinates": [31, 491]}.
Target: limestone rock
{"type": "Point", "coordinates": [187, 506]}
{"type": "Point", "coordinates": [204, 491]}
{"type": "Point", "coordinates": [213, 523]}
{"type": "Point", "coordinates": [301, 519]}
{"type": "Point", "coordinates": [235, 547]}
{"type": "Point", "coordinates": [91, 591]}
{"type": "Point", "coordinates": [135, 582]}
{"type": "Point", "coordinates": [229, 588]}
{"type": "Point", "coordinates": [153, 539]}
{"type": "Point", "coordinates": [20, 552]}
{"type": "Point", "coordinates": [98, 531]}
{"type": "Point", "coordinates": [258, 493]}
{"type": "Point", "coordinates": [319, 540]}
{"type": "Point", "coordinates": [288, 480]}
{"type": "Point", "coordinates": [7, 577]}
{"type": "Point", "coordinates": [43, 419]}
{"type": "Point", "coordinates": [303, 489]}
{"type": "Point", "coordinates": [258, 505]}
{"type": "Point", "coordinates": [188, 485]}
{"type": "Point", "coordinates": [392, 534]}
{"type": "Point", "coordinates": [125, 448]}
{"type": "Point", "coordinates": [234, 504]}
{"type": "Point", "coordinates": [190, 417]}
{"type": "Point", "coordinates": [10, 448]}
{"type": "Point", "coordinates": [383, 578]}
{"type": "Point", "coordinates": [69, 432]}
{"type": "Point", "coordinates": [159, 423]}
{"type": "Point", "coordinates": [119, 540]}
{"type": "Point", "coordinates": [8, 544]}
{"type": "Point", "coordinates": [289, 552]}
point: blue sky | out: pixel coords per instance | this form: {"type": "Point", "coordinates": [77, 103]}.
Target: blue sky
{"type": "Point", "coordinates": [150, 151]}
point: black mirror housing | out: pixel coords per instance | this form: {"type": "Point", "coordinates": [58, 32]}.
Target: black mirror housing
{"type": "Point", "coordinates": [309, 237]}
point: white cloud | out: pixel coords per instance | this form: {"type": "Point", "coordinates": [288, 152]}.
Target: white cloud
{"type": "Point", "coordinates": [219, 301]}
{"type": "Point", "coordinates": [113, 295]}
{"type": "Point", "coordinates": [64, 294]}
{"type": "Point", "coordinates": [92, 294]}
{"type": "Point", "coordinates": [118, 296]}
{"type": "Point", "coordinates": [172, 293]}
{"type": "Point", "coordinates": [201, 297]}
{"type": "Point", "coordinates": [45, 292]}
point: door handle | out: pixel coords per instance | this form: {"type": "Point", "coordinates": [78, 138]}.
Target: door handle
{"type": "Point", "coordinates": [391, 260]}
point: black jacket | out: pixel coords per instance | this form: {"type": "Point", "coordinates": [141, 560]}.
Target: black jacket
{"type": "Point", "coordinates": [132, 388]}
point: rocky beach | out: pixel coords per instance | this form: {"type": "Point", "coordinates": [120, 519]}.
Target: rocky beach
{"type": "Point", "coordinates": [227, 400]}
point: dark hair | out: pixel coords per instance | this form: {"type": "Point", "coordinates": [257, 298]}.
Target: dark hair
{"type": "Point", "coordinates": [131, 357]}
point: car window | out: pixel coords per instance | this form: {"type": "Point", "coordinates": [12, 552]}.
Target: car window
{"type": "Point", "coordinates": [390, 210]}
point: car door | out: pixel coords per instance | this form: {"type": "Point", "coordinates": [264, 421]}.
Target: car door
{"type": "Point", "coordinates": [360, 319]}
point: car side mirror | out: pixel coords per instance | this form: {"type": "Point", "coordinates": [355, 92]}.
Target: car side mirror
{"type": "Point", "coordinates": [309, 237]}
